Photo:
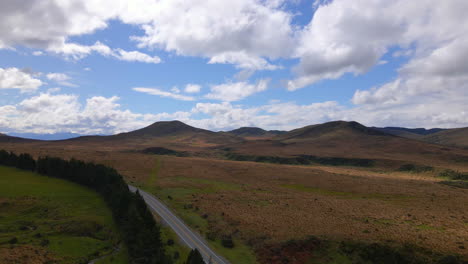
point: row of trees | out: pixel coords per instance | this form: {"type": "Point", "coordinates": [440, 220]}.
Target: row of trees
{"type": "Point", "coordinates": [140, 232]}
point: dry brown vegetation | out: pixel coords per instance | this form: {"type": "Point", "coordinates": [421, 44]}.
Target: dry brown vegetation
{"type": "Point", "coordinates": [26, 254]}
{"type": "Point", "coordinates": [266, 204]}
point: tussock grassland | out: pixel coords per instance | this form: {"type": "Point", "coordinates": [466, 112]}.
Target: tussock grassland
{"type": "Point", "coordinates": [263, 206]}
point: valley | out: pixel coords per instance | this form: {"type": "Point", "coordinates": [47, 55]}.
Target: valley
{"type": "Point", "coordinates": [271, 211]}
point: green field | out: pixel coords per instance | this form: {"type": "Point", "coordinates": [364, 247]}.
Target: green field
{"type": "Point", "coordinates": [49, 220]}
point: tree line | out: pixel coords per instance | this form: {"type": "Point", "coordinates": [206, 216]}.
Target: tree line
{"type": "Point", "coordinates": [140, 232]}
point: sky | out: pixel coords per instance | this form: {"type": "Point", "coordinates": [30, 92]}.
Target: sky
{"type": "Point", "coordinates": [111, 66]}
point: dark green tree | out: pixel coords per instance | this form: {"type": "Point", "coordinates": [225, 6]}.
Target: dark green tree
{"type": "Point", "coordinates": [195, 257]}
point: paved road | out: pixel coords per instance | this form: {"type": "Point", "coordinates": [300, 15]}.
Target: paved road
{"type": "Point", "coordinates": [187, 235]}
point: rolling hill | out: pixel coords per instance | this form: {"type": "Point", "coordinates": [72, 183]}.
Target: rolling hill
{"type": "Point", "coordinates": [413, 133]}
{"type": "Point", "coordinates": [350, 140]}
{"type": "Point", "coordinates": [8, 139]}
{"type": "Point", "coordinates": [332, 139]}
{"type": "Point", "coordinates": [255, 132]}
{"type": "Point", "coordinates": [457, 137]}
{"type": "Point", "coordinates": [171, 134]}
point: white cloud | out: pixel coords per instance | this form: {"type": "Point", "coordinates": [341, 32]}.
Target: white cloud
{"type": "Point", "coordinates": [352, 36]}
{"type": "Point", "coordinates": [38, 53]}
{"type": "Point", "coordinates": [136, 56]}
{"type": "Point", "coordinates": [14, 78]}
{"type": "Point", "coordinates": [243, 60]}
{"type": "Point", "coordinates": [77, 52]}
{"type": "Point", "coordinates": [236, 91]}
{"type": "Point", "coordinates": [224, 31]}
{"type": "Point", "coordinates": [175, 89]}
{"type": "Point", "coordinates": [54, 90]}
{"type": "Point", "coordinates": [48, 113]}
{"type": "Point", "coordinates": [60, 78]}
{"type": "Point", "coordinates": [192, 88]}
{"type": "Point", "coordinates": [159, 92]}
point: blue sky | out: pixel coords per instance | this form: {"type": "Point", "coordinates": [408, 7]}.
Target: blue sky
{"type": "Point", "coordinates": [104, 67]}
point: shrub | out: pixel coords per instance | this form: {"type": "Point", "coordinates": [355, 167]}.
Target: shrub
{"type": "Point", "coordinates": [415, 168]}
{"type": "Point", "coordinates": [454, 175]}
{"type": "Point", "coordinates": [170, 242]}
{"type": "Point", "coordinates": [13, 240]}
{"type": "Point", "coordinates": [227, 242]}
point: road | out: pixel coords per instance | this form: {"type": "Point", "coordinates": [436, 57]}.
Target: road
{"type": "Point", "coordinates": [186, 235]}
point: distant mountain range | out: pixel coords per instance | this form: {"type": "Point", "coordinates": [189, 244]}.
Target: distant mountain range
{"type": "Point", "coordinates": [181, 133]}
{"type": "Point", "coordinates": [53, 136]}
{"type": "Point", "coordinates": [455, 137]}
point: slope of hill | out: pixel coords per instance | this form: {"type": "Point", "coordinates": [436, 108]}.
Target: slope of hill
{"type": "Point", "coordinates": [7, 139]}
{"type": "Point", "coordinates": [349, 140]}
{"type": "Point", "coordinates": [457, 137]}
{"type": "Point", "coordinates": [413, 133]}
{"type": "Point", "coordinates": [161, 129]}
{"type": "Point", "coordinates": [328, 129]}
{"type": "Point", "coordinates": [170, 134]}
{"type": "Point", "coordinates": [255, 132]}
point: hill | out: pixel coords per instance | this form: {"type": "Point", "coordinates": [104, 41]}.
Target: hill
{"type": "Point", "coordinates": [328, 129]}
{"type": "Point", "coordinates": [9, 139]}
{"type": "Point", "coordinates": [161, 129]}
{"type": "Point", "coordinates": [413, 133]}
{"type": "Point", "coordinates": [332, 139]}
{"type": "Point", "coordinates": [457, 137]}
{"type": "Point", "coordinates": [255, 132]}
{"type": "Point", "coordinates": [169, 134]}
{"type": "Point", "coordinates": [349, 140]}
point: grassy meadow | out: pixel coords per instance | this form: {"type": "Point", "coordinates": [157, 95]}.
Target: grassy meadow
{"type": "Point", "coordinates": [48, 220]}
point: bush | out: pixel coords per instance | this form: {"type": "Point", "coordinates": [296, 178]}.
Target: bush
{"type": "Point", "coordinates": [415, 168]}
{"type": "Point", "coordinates": [454, 175]}
{"type": "Point", "coordinates": [303, 160]}
{"type": "Point", "coordinates": [227, 242]}
{"type": "Point", "coordinates": [170, 242]}
{"type": "Point", "coordinates": [165, 151]}
{"type": "Point", "coordinates": [13, 240]}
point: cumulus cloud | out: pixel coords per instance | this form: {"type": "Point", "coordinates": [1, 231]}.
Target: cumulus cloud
{"type": "Point", "coordinates": [159, 92]}
{"type": "Point", "coordinates": [343, 37]}
{"type": "Point", "coordinates": [14, 78]}
{"type": "Point", "coordinates": [47, 113]}
{"type": "Point", "coordinates": [239, 32]}
{"type": "Point", "coordinates": [243, 61]}
{"type": "Point", "coordinates": [136, 56]}
{"type": "Point", "coordinates": [60, 78]}
{"type": "Point", "coordinates": [235, 91]}
{"type": "Point", "coordinates": [192, 88]}
{"type": "Point", "coordinates": [223, 31]}
{"type": "Point", "coordinates": [352, 36]}
{"type": "Point", "coordinates": [77, 51]}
